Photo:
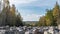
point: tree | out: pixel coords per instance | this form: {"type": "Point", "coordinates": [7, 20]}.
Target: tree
{"type": "Point", "coordinates": [19, 20]}
{"type": "Point", "coordinates": [42, 21]}
{"type": "Point", "coordinates": [56, 13]}
{"type": "Point", "coordinates": [50, 18]}
{"type": "Point", "coordinates": [13, 15]}
{"type": "Point", "coordinates": [9, 15]}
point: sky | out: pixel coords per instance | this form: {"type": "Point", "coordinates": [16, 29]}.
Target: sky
{"type": "Point", "coordinates": [32, 10]}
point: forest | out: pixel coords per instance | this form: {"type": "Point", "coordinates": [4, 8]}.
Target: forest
{"type": "Point", "coordinates": [9, 15]}
{"type": "Point", "coordinates": [51, 18]}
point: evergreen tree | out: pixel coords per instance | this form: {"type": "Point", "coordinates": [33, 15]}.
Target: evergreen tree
{"type": "Point", "coordinates": [9, 16]}
{"type": "Point", "coordinates": [50, 18]}
{"type": "Point", "coordinates": [19, 20]}
{"type": "Point", "coordinates": [13, 15]}
{"type": "Point", "coordinates": [56, 13]}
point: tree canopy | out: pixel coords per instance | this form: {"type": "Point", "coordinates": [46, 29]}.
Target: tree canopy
{"type": "Point", "coordinates": [52, 17]}
{"type": "Point", "coordinates": [9, 15]}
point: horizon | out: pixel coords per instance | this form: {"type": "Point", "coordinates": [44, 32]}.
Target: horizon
{"type": "Point", "coordinates": [32, 10]}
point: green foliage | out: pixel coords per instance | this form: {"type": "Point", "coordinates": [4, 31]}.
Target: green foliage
{"type": "Point", "coordinates": [56, 13]}
{"type": "Point", "coordinates": [9, 16]}
{"type": "Point", "coordinates": [19, 21]}
{"type": "Point", "coordinates": [42, 21]}
{"type": "Point", "coordinates": [52, 17]}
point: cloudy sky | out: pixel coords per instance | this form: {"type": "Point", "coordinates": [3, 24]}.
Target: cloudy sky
{"type": "Point", "coordinates": [32, 10]}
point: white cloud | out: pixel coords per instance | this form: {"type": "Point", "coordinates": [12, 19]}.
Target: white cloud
{"type": "Point", "coordinates": [21, 1]}
{"type": "Point", "coordinates": [59, 2]}
{"type": "Point", "coordinates": [31, 17]}
{"type": "Point", "coordinates": [33, 2]}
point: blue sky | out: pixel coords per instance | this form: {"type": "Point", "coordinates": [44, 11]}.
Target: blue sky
{"type": "Point", "coordinates": [32, 10]}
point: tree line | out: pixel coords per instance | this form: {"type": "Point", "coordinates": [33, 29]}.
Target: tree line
{"type": "Point", "coordinates": [51, 18]}
{"type": "Point", "coordinates": [10, 16]}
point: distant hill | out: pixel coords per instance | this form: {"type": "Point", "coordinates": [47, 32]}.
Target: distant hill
{"type": "Point", "coordinates": [30, 22]}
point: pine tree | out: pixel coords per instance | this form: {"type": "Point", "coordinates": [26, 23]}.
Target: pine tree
{"type": "Point", "coordinates": [56, 13]}
{"type": "Point", "coordinates": [50, 18]}
{"type": "Point", "coordinates": [19, 20]}
{"type": "Point", "coordinates": [13, 15]}
{"type": "Point", "coordinates": [9, 16]}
